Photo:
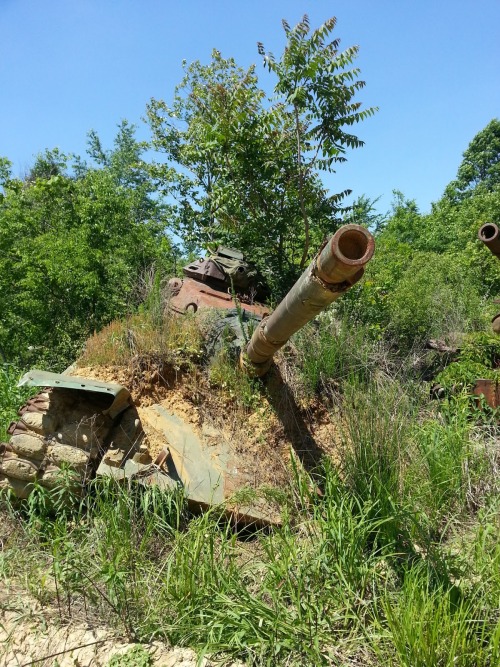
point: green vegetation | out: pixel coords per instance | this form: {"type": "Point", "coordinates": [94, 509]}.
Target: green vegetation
{"type": "Point", "coordinates": [75, 242]}
{"type": "Point", "coordinates": [388, 552]}
{"type": "Point", "coordinates": [244, 170]}
{"type": "Point", "coordinates": [11, 397]}
{"type": "Point", "coordinates": [395, 561]}
{"type": "Point", "coordinates": [135, 657]}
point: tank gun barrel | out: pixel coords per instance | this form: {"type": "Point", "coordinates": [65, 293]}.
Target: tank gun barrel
{"type": "Point", "coordinates": [489, 234]}
{"type": "Point", "coordinates": [338, 265]}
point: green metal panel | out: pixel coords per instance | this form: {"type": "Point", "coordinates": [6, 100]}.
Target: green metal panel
{"type": "Point", "coordinates": [37, 378]}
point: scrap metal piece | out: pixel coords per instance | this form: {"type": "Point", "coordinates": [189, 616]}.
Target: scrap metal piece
{"type": "Point", "coordinates": [207, 473]}
{"type": "Point", "coordinates": [490, 390]}
{"type": "Point", "coordinates": [202, 475]}
{"type": "Point", "coordinates": [122, 399]}
{"type": "Point", "coordinates": [489, 234]}
{"type": "Point", "coordinates": [192, 295]}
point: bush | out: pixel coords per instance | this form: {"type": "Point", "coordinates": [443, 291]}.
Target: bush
{"type": "Point", "coordinates": [11, 396]}
{"type": "Point", "coordinates": [479, 357]}
{"type": "Point", "coordinates": [434, 299]}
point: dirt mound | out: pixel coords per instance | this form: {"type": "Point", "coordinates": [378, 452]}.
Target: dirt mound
{"type": "Point", "coordinates": [259, 441]}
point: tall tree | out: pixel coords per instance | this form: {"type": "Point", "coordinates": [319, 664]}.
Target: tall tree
{"type": "Point", "coordinates": [244, 170]}
{"type": "Point", "coordinates": [316, 85]}
{"type": "Point", "coordinates": [480, 166]}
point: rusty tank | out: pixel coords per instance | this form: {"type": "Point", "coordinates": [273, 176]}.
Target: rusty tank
{"type": "Point", "coordinates": [89, 428]}
{"type": "Point", "coordinates": [338, 265]}
{"type": "Point", "coordinates": [222, 280]}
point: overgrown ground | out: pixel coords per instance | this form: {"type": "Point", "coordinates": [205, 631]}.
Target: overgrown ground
{"type": "Point", "coordinates": [388, 550]}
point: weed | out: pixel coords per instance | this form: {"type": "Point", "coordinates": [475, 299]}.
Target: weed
{"type": "Point", "coordinates": [226, 375]}
{"type": "Point", "coordinates": [396, 550]}
{"type": "Point", "coordinates": [479, 357]}
{"type": "Point", "coordinates": [177, 340]}
{"type": "Point", "coordinates": [137, 656]}
{"type": "Point", "coordinates": [428, 627]}
{"type": "Point", "coordinates": [11, 396]}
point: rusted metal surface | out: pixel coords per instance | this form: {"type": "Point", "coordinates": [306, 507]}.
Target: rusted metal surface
{"type": "Point", "coordinates": [223, 280]}
{"type": "Point", "coordinates": [339, 265]}
{"type": "Point", "coordinates": [192, 295]}
{"type": "Point", "coordinates": [489, 234]}
{"type": "Point", "coordinates": [490, 390]}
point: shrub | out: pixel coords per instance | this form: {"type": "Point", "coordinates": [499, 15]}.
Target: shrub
{"type": "Point", "coordinates": [11, 396]}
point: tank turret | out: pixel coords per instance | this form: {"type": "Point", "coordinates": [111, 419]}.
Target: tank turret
{"type": "Point", "coordinates": [216, 282]}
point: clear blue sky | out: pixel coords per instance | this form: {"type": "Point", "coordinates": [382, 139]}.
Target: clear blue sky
{"type": "Point", "coordinates": [432, 67]}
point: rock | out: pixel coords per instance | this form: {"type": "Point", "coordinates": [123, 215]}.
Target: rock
{"type": "Point", "coordinates": [20, 488]}
{"type": "Point", "coordinates": [113, 457]}
{"type": "Point", "coordinates": [128, 434]}
{"type": "Point", "coordinates": [18, 468]}
{"type": "Point", "coordinates": [53, 476]}
{"type": "Point", "coordinates": [81, 435]}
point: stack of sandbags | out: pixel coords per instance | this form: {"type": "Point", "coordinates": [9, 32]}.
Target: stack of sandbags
{"type": "Point", "coordinates": [57, 429]}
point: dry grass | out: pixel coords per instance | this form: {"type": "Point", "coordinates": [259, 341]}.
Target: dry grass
{"type": "Point", "coordinates": [175, 339]}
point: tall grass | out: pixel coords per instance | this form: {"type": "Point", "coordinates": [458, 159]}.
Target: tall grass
{"type": "Point", "coordinates": [11, 396]}
{"type": "Point", "coordinates": [324, 588]}
{"type": "Point", "coordinates": [331, 351]}
{"type": "Point", "coordinates": [382, 560]}
{"type": "Point", "coordinates": [427, 626]}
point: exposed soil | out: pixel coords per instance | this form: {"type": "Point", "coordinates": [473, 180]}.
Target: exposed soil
{"type": "Point", "coordinates": [34, 635]}
{"type": "Point", "coordinates": [260, 442]}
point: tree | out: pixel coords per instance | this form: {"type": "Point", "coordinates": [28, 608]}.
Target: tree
{"type": "Point", "coordinates": [480, 167]}
{"type": "Point", "coordinates": [72, 249]}
{"type": "Point", "coordinates": [316, 85]}
{"type": "Point", "coordinates": [363, 212]}
{"type": "Point", "coordinates": [405, 222]}
{"type": "Point", "coordinates": [244, 171]}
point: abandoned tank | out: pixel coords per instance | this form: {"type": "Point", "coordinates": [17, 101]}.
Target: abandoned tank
{"type": "Point", "coordinates": [90, 427]}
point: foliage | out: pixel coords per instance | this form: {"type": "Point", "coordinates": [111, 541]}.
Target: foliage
{"type": "Point", "coordinates": [174, 341]}
{"type": "Point", "coordinates": [463, 375]}
{"type": "Point", "coordinates": [72, 249]}
{"type": "Point", "coordinates": [428, 627]}
{"type": "Point", "coordinates": [391, 548]}
{"type": "Point", "coordinates": [409, 297]}
{"type": "Point", "coordinates": [244, 171]}
{"type": "Point", "coordinates": [431, 275]}
{"type": "Point", "coordinates": [353, 561]}
{"type": "Point", "coordinates": [364, 212]}
{"type": "Point", "coordinates": [331, 351]}
{"type": "Point", "coordinates": [11, 396]}
{"type": "Point", "coordinates": [480, 168]}
{"type": "Point", "coordinates": [316, 85]}
{"type": "Point", "coordinates": [137, 656]}
{"type": "Point", "coordinates": [479, 357]}
{"type": "Point", "coordinates": [224, 373]}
